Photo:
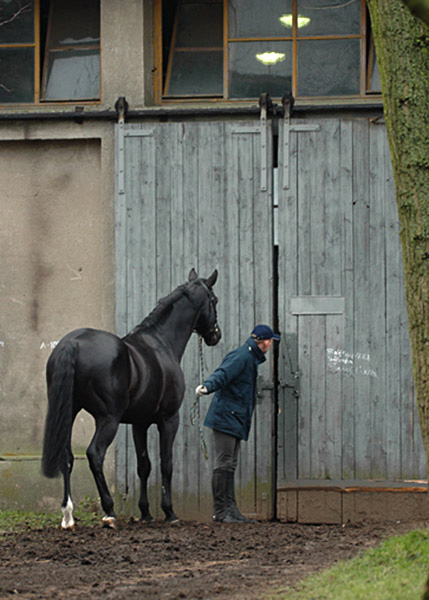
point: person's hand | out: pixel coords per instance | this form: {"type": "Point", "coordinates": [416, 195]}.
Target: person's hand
{"type": "Point", "coordinates": [200, 390]}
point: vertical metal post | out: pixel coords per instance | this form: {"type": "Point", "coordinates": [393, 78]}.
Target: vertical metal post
{"type": "Point", "coordinates": [263, 148]}
{"type": "Point", "coordinates": [265, 103]}
{"type": "Point", "coordinates": [121, 106]}
{"type": "Point", "coordinates": [287, 102]}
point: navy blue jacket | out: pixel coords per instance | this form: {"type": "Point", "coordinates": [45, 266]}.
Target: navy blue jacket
{"type": "Point", "coordinates": [234, 382]}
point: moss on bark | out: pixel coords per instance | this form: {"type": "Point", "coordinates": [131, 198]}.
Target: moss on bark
{"type": "Point", "coordinates": [402, 46]}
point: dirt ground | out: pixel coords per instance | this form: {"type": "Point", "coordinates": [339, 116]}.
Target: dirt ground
{"type": "Point", "coordinates": [188, 560]}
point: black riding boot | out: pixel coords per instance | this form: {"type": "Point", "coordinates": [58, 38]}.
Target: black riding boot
{"type": "Point", "coordinates": [221, 513]}
{"type": "Point", "coordinates": [232, 508]}
{"type": "Point", "coordinates": [219, 495]}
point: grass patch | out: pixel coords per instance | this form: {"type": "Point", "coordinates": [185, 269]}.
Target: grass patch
{"type": "Point", "coordinates": [86, 513]}
{"type": "Point", "coordinates": [397, 569]}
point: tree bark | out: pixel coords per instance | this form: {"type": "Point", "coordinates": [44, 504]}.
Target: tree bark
{"type": "Point", "coordinates": [402, 47]}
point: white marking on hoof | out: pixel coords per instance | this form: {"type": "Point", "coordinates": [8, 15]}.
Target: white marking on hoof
{"type": "Point", "coordinates": [109, 522]}
{"type": "Point", "coordinates": [174, 521]}
{"type": "Point", "coordinates": [68, 521]}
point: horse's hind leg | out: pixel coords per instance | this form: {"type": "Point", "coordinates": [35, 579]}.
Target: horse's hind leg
{"type": "Point", "coordinates": [105, 431]}
{"type": "Point", "coordinates": [67, 505]}
{"type": "Point", "coordinates": [143, 469]}
{"type": "Point", "coordinates": [167, 433]}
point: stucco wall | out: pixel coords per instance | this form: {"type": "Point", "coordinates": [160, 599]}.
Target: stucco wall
{"type": "Point", "coordinates": [122, 65]}
{"type": "Point", "coordinates": [53, 279]}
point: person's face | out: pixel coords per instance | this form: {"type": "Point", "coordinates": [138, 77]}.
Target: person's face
{"type": "Point", "coordinates": [265, 345]}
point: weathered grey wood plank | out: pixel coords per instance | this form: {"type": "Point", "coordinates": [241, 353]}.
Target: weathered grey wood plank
{"type": "Point", "coordinates": [393, 324]}
{"type": "Point", "coordinates": [377, 302]}
{"type": "Point", "coordinates": [346, 194]}
{"type": "Point", "coordinates": [178, 276]}
{"type": "Point", "coordinates": [362, 328]}
{"type": "Point", "coordinates": [187, 479]}
{"type": "Point", "coordinates": [305, 187]}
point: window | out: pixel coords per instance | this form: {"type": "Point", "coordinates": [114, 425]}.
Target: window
{"type": "Point", "coordinates": [49, 50]}
{"type": "Point", "coordinates": [238, 49]}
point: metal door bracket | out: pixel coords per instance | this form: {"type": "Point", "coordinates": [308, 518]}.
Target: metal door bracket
{"type": "Point", "coordinates": [266, 105]}
{"type": "Point", "coordinates": [288, 102]}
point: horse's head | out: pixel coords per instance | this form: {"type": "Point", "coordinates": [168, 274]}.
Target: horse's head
{"type": "Point", "coordinates": [206, 324]}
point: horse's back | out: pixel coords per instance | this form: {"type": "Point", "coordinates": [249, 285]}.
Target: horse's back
{"type": "Point", "coordinates": [95, 347]}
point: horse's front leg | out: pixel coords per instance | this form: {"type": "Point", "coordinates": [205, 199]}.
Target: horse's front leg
{"type": "Point", "coordinates": [143, 469]}
{"type": "Point", "coordinates": [167, 432]}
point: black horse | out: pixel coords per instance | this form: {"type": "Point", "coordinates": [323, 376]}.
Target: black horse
{"type": "Point", "coordinates": [136, 379]}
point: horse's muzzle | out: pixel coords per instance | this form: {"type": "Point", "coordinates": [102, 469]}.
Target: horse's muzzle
{"type": "Point", "coordinates": [213, 336]}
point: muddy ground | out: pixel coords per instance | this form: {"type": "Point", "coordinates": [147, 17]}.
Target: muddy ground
{"type": "Point", "coordinates": [189, 560]}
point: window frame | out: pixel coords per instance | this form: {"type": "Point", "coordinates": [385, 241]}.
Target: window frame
{"type": "Point", "coordinates": [161, 98]}
{"type": "Point", "coordinates": [40, 70]}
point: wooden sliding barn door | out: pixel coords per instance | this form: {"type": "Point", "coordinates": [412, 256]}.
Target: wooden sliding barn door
{"type": "Point", "coordinates": [197, 195]}
{"type": "Point", "coordinates": [347, 405]}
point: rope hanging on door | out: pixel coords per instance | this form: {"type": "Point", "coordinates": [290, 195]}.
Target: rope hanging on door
{"type": "Point", "coordinates": [195, 408]}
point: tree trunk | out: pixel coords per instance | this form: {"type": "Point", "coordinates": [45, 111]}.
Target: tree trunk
{"type": "Point", "coordinates": [419, 8]}
{"type": "Point", "coordinates": [402, 47]}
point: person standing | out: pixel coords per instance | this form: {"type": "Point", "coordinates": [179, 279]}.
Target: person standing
{"type": "Point", "coordinates": [230, 415]}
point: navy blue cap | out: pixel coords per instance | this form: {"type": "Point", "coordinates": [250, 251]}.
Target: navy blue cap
{"type": "Point", "coordinates": [264, 332]}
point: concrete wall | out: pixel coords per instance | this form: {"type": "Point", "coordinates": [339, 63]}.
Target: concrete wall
{"type": "Point", "coordinates": [52, 280]}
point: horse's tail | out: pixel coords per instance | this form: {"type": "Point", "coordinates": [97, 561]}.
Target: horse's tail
{"type": "Point", "coordinates": [59, 419]}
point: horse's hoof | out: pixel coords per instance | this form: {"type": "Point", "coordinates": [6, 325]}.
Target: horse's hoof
{"type": "Point", "coordinates": [173, 520]}
{"type": "Point", "coordinates": [68, 527]}
{"type": "Point", "coordinates": [109, 522]}
{"type": "Point", "coordinates": [145, 517]}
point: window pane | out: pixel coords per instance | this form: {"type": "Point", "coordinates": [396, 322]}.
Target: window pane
{"type": "Point", "coordinates": [328, 17]}
{"type": "Point", "coordinates": [196, 73]}
{"type": "Point", "coordinates": [373, 83]}
{"type": "Point", "coordinates": [374, 80]}
{"type": "Point", "coordinates": [328, 68]}
{"type": "Point", "coordinates": [257, 67]}
{"type": "Point", "coordinates": [17, 18]}
{"type": "Point", "coordinates": [200, 25]}
{"type": "Point", "coordinates": [74, 22]}
{"type": "Point", "coordinates": [16, 75]}
{"type": "Point", "coordinates": [73, 75]}
{"type": "Point", "coordinates": [253, 18]}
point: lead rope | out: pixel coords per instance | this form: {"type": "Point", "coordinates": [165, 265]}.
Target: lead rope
{"type": "Point", "coordinates": [195, 408]}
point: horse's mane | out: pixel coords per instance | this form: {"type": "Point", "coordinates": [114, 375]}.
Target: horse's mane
{"type": "Point", "coordinates": [163, 307]}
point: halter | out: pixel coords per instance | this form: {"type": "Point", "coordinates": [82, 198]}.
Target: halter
{"type": "Point", "coordinates": [212, 300]}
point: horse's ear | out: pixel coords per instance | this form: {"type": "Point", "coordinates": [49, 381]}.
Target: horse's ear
{"type": "Point", "coordinates": [192, 275]}
{"type": "Point", "coordinates": [212, 279]}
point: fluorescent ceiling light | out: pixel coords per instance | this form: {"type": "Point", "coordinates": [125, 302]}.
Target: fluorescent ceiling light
{"type": "Point", "coordinates": [287, 20]}
{"type": "Point", "coordinates": [270, 58]}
